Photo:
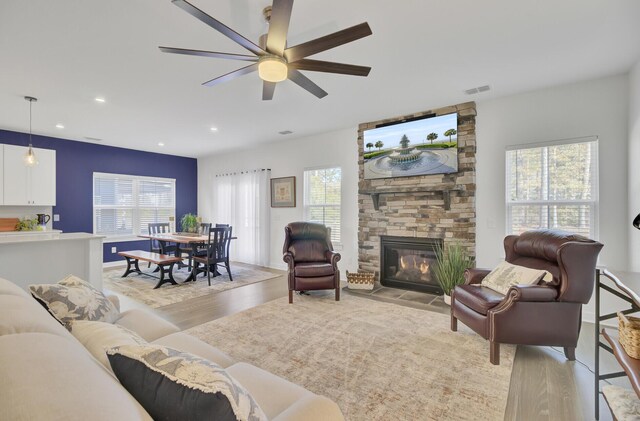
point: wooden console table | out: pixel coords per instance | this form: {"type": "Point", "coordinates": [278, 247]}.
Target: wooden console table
{"type": "Point", "coordinates": [630, 366]}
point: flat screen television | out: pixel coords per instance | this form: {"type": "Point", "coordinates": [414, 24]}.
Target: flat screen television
{"type": "Point", "coordinates": [421, 146]}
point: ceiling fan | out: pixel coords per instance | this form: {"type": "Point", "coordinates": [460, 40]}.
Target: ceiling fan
{"type": "Point", "coordinates": [273, 60]}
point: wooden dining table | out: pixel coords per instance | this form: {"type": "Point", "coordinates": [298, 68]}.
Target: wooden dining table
{"type": "Point", "coordinates": [177, 238]}
{"type": "Point", "coordinates": [193, 241]}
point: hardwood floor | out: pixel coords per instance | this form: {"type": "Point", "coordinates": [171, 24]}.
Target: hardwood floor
{"type": "Point", "coordinates": [544, 385]}
{"type": "Point", "coordinates": [210, 307]}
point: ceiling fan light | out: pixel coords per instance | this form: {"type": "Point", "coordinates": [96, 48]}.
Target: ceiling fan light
{"type": "Point", "coordinates": [272, 69]}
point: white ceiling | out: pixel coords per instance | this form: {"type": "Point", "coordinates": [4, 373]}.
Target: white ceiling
{"type": "Point", "coordinates": [424, 54]}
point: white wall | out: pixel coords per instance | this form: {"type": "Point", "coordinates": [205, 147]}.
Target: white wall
{"type": "Point", "coordinates": [287, 158]}
{"type": "Point", "coordinates": [634, 165]}
{"type": "Point", "coordinates": [598, 107]}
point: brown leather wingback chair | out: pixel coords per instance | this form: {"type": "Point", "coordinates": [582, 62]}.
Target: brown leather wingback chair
{"type": "Point", "coordinates": [547, 314]}
{"type": "Point", "coordinates": [312, 262]}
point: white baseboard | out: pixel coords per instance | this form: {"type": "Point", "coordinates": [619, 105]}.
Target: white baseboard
{"type": "Point", "coordinates": [113, 264]}
{"type": "Point", "coordinates": [590, 317]}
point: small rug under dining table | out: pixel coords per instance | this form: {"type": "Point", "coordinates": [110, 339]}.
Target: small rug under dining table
{"type": "Point", "coordinates": [378, 361]}
{"type": "Point", "coordinates": [140, 287]}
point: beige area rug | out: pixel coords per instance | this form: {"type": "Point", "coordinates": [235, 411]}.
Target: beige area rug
{"type": "Point", "coordinates": [378, 361]}
{"type": "Point", "coordinates": [140, 287]}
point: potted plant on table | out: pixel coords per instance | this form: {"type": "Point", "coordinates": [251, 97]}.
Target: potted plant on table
{"type": "Point", "coordinates": [452, 261]}
{"type": "Point", "coordinates": [189, 223]}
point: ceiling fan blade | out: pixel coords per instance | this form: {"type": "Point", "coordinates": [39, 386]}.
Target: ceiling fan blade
{"type": "Point", "coordinates": [330, 67]}
{"type": "Point", "coordinates": [218, 26]}
{"type": "Point", "coordinates": [327, 42]}
{"type": "Point", "coordinates": [232, 75]}
{"type": "Point", "coordinates": [267, 90]}
{"type": "Point", "coordinates": [213, 54]}
{"type": "Point", "coordinates": [304, 82]}
{"type": "Point", "coordinates": [279, 26]}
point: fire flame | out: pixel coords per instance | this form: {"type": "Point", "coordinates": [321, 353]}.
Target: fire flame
{"type": "Point", "coordinates": [423, 266]}
{"type": "Point", "coordinates": [403, 264]}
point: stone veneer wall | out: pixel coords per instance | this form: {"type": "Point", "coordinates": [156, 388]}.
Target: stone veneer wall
{"type": "Point", "coordinates": [433, 206]}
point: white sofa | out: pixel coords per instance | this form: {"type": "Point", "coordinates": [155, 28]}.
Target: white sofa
{"type": "Point", "coordinates": [45, 373]}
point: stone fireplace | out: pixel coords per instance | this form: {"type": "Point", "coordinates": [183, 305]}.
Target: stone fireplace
{"type": "Point", "coordinates": [401, 219]}
{"type": "Point", "coordinates": [409, 263]}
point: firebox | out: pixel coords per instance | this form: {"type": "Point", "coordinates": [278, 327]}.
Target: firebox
{"type": "Point", "coordinates": [409, 263]}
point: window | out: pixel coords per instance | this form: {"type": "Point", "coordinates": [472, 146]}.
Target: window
{"type": "Point", "coordinates": [322, 190]}
{"type": "Point", "coordinates": [124, 205]}
{"type": "Point", "coordinates": [553, 185]}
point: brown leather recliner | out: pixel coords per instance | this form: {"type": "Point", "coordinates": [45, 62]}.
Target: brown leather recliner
{"type": "Point", "coordinates": [533, 314]}
{"type": "Point", "coordinates": [312, 262]}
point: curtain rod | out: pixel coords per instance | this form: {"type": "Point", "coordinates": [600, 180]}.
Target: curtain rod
{"type": "Point", "coordinates": [243, 172]}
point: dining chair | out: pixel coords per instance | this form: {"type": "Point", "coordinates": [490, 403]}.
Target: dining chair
{"type": "Point", "coordinates": [205, 227]}
{"type": "Point", "coordinates": [155, 246]}
{"type": "Point", "coordinates": [229, 242]}
{"type": "Point", "coordinates": [198, 249]}
{"type": "Point", "coordinates": [217, 253]}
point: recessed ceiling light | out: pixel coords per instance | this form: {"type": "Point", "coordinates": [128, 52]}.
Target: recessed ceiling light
{"type": "Point", "coordinates": [160, 144]}
{"type": "Point", "coordinates": [100, 99]}
{"type": "Point", "coordinates": [60, 126]}
{"type": "Point", "coordinates": [214, 129]}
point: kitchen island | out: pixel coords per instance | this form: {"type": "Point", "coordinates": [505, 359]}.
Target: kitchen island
{"type": "Point", "coordinates": [47, 257]}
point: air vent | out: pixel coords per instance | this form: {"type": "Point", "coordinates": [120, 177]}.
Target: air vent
{"type": "Point", "coordinates": [92, 139]}
{"type": "Point", "coordinates": [284, 132]}
{"type": "Point", "coordinates": [477, 90]}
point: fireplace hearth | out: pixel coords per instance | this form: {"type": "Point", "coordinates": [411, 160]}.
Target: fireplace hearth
{"type": "Point", "coordinates": [409, 263]}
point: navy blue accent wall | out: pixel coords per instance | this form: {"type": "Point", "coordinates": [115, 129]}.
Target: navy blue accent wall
{"type": "Point", "coordinates": [77, 161]}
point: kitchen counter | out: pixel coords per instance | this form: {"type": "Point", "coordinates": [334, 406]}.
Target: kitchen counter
{"type": "Point", "coordinates": [45, 257]}
{"type": "Point", "coordinates": [39, 236]}
{"type": "Point", "coordinates": [6, 233]}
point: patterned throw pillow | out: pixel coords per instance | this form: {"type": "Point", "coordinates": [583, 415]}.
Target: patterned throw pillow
{"type": "Point", "coordinates": [97, 337]}
{"type": "Point", "coordinates": [184, 386]}
{"type": "Point", "coordinates": [75, 299]}
{"type": "Point", "coordinates": [506, 275]}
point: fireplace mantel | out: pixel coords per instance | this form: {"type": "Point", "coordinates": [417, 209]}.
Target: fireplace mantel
{"type": "Point", "coordinates": [445, 189]}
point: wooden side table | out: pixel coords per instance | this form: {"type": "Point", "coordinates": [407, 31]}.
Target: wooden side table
{"type": "Point", "coordinates": [630, 366]}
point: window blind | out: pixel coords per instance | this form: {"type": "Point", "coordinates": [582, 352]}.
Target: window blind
{"type": "Point", "coordinates": [553, 186]}
{"type": "Point", "coordinates": [124, 206]}
{"type": "Point", "coordinates": [322, 198]}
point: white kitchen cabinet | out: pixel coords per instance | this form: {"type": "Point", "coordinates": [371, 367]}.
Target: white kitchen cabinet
{"type": "Point", "coordinates": [43, 178]}
{"type": "Point", "coordinates": [1, 174]}
{"type": "Point", "coordinates": [16, 176]}
{"type": "Point", "coordinates": [25, 186]}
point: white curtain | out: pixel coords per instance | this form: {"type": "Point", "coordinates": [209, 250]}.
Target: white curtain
{"type": "Point", "coordinates": [242, 200]}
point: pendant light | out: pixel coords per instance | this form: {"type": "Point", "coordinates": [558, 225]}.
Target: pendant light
{"type": "Point", "coordinates": [30, 158]}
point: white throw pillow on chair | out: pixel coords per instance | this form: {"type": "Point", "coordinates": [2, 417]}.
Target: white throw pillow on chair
{"type": "Point", "coordinates": [506, 275]}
